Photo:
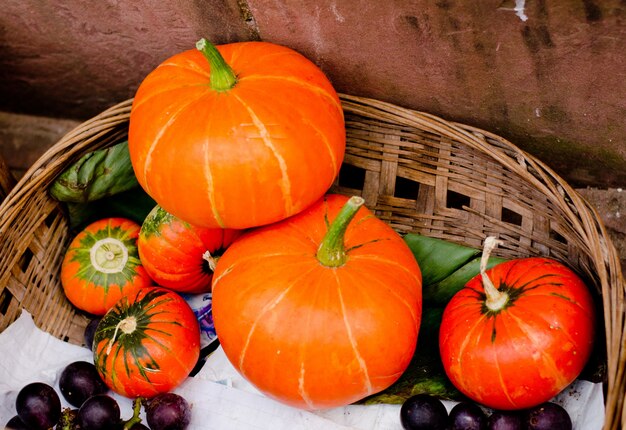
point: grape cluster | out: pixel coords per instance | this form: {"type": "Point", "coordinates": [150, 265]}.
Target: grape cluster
{"type": "Point", "coordinates": [38, 406]}
{"type": "Point", "coordinates": [427, 412]}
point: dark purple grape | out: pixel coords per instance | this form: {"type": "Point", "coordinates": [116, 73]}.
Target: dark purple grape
{"type": "Point", "coordinates": [467, 416]}
{"type": "Point", "coordinates": [38, 406]}
{"type": "Point", "coordinates": [99, 412]}
{"type": "Point", "coordinates": [505, 420]}
{"type": "Point", "coordinates": [548, 416]}
{"type": "Point", "coordinates": [90, 331]}
{"type": "Point", "coordinates": [15, 423]}
{"type": "Point", "coordinates": [168, 411]}
{"type": "Point", "coordinates": [79, 381]}
{"type": "Point", "coordinates": [423, 411]}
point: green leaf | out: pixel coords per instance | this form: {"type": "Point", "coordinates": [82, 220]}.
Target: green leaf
{"type": "Point", "coordinates": [438, 258]}
{"type": "Point", "coordinates": [97, 174]}
{"type": "Point", "coordinates": [441, 292]}
{"type": "Point", "coordinates": [133, 204]}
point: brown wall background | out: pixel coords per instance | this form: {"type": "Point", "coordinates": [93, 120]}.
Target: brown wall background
{"type": "Point", "coordinates": [550, 78]}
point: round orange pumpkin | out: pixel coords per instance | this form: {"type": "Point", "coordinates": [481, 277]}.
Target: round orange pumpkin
{"type": "Point", "coordinates": [102, 264]}
{"type": "Point", "coordinates": [239, 136]}
{"type": "Point", "coordinates": [518, 333]}
{"type": "Point", "coordinates": [147, 344]}
{"type": "Point", "coordinates": [317, 315]}
{"type": "Point", "coordinates": [178, 255]}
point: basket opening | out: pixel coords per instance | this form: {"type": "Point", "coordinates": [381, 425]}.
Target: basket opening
{"type": "Point", "coordinates": [554, 235]}
{"type": "Point", "coordinates": [456, 200]}
{"type": "Point", "coordinates": [511, 217]}
{"type": "Point", "coordinates": [5, 301]}
{"type": "Point", "coordinates": [406, 188]}
{"type": "Point", "coordinates": [27, 256]}
{"type": "Point", "coordinates": [351, 177]}
{"type": "Point", "coordinates": [50, 219]}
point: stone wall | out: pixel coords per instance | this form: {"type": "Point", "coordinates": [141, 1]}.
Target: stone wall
{"type": "Point", "coordinates": [549, 76]}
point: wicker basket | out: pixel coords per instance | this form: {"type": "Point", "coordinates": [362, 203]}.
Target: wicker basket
{"type": "Point", "coordinates": [418, 172]}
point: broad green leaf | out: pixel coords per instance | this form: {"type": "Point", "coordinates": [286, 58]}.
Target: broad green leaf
{"type": "Point", "coordinates": [438, 258]}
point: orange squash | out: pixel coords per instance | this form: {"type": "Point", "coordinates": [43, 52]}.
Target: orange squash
{"type": "Point", "coordinates": [319, 315]}
{"type": "Point", "coordinates": [236, 136]}
{"type": "Point", "coordinates": [102, 264]}
{"type": "Point", "coordinates": [518, 333]}
{"type": "Point", "coordinates": [178, 255]}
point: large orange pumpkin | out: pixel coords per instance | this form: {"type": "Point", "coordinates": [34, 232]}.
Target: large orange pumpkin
{"type": "Point", "coordinates": [235, 137]}
{"type": "Point", "coordinates": [317, 315]}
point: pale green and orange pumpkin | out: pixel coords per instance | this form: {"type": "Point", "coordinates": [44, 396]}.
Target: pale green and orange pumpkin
{"type": "Point", "coordinates": [101, 265]}
{"type": "Point", "coordinates": [147, 344]}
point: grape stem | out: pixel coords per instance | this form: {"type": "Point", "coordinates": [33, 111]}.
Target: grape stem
{"type": "Point", "coordinates": [135, 419]}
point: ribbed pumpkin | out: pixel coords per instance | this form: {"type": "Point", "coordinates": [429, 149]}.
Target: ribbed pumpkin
{"type": "Point", "coordinates": [235, 137]}
{"type": "Point", "coordinates": [178, 255]}
{"type": "Point", "coordinates": [322, 309]}
{"type": "Point", "coordinates": [517, 334]}
{"type": "Point", "coordinates": [147, 344]}
{"type": "Point", "coordinates": [102, 264]}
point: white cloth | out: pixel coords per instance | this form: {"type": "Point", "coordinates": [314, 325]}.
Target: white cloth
{"type": "Point", "coordinates": [220, 398]}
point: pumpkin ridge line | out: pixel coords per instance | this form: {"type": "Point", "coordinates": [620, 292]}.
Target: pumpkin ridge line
{"type": "Point", "coordinates": [304, 84]}
{"type": "Point", "coordinates": [386, 260]}
{"type": "Point", "coordinates": [285, 182]}
{"type": "Point", "coordinates": [468, 335]}
{"type": "Point", "coordinates": [501, 379]}
{"type": "Point", "coordinates": [353, 342]}
{"type": "Point", "coordinates": [266, 308]}
{"type": "Point", "coordinates": [188, 66]}
{"type": "Point", "coordinates": [155, 142]}
{"type": "Point", "coordinates": [416, 318]}
{"type": "Point", "coordinates": [328, 147]}
{"type": "Point", "coordinates": [545, 356]}
{"type": "Point", "coordinates": [208, 176]}
{"type": "Point", "coordinates": [137, 103]}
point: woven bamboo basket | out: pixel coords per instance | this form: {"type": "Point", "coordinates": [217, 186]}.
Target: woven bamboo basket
{"type": "Point", "coordinates": [418, 172]}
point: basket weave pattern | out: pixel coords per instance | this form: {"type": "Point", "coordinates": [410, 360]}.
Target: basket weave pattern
{"type": "Point", "coordinates": [417, 172]}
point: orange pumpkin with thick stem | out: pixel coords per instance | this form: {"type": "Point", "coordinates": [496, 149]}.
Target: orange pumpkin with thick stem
{"type": "Point", "coordinates": [322, 309]}
{"type": "Point", "coordinates": [102, 264]}
{"type": "Point", "coordinates": [236, 136]}
{"type": "Point", "coordinates": [517, 334]}
{"type": "Point", "coordinates": [178, 255]}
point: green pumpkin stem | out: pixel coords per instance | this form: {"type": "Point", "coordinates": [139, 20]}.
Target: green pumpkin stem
{"type": "Point", "coordinates": [223, 78]}
{"type": "Point", "coordinates": [331, 252]}
{"type": "Point", "coordinates": [496, 299]}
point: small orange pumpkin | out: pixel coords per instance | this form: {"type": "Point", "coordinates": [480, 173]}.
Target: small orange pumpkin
{"type": "Point", "coordinates": [102, 265]}
{"type": "Point", "coordinates": [147, 344]}
{"type": "Point", "coordinates": [322, 309]}
{"type": "Point", "coordinates": [236, 136]}
{"type": "Point", "coordinates": [518, 333]}
{"type": "Point", "coordinates": [180, 256]}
